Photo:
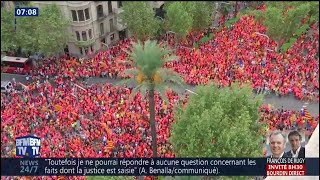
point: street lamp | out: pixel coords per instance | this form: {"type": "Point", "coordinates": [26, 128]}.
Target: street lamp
{"type": "Point", "coordinates": [191, 91]}
{"type": "Point", "coordinates": [266, 49]}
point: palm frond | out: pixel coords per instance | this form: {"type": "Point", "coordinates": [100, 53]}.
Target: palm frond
{"type": "Point", "coordinates": [147, 57]}
{"type": "Point", "coordinates": [144, 88]}
{"type": "Point", "coordinates": [134, 92]}
{"type": "Point", "coordinates": [169, 75]}
{"type": "Point", "coordinates": [170, 58]}
{"type": "Point", "coordinates": [177, 89]}
{"type": "Point", "coordinates": [125, 82]}
{"type": "Point", "coordinates": [161, 89]}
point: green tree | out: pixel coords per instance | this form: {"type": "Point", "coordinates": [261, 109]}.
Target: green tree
{"type": "Point", "coordinates": [46, 33]}
{"type": "Point", "coordinates": [282, 19]}
{"type": "Point", "coordinates": [218, 122]}
{"type": "Point", "coordinates": [7, 31]}
{"type": "Point", "coordinates": [178, 20]}
{"type": "Point", "coordinates": [150, 76]}
{"type": "Point", "coordinates": [52, 30]}
{"type": "Point", "coordinates": [201, 12]}
{"type": "Point", "coordinates": [140, 19]}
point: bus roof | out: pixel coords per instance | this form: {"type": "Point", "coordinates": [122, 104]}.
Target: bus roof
{"type": "Point", "coordinates": [14, 59]}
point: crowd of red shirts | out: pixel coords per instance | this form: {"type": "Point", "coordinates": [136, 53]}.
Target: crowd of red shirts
{"type": "Point", "coordinates": [75, 123]}
{"type": "Point", "coordinates": [287, 120]}
{"type": "Point", "coordinates": [236, 54]}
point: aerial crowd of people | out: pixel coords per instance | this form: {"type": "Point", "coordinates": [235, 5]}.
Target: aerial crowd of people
{"type": "Point", "coordinates": [74, 119]}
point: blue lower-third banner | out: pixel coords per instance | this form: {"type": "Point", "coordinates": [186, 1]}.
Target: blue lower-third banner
{"type": "Point", "coordinates": [158, 167]}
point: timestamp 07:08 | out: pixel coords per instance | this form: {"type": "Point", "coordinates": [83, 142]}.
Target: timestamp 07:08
{"type": "Point", "coordinates": [26, 12]}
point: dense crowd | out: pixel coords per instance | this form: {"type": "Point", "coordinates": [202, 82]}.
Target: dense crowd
{"type": "Point", "coordinates": [82, 122]}
{"type": "Point", "coordinates": [73, 121]}
{"type": "Point", "coordinates": [287, 119]}
{"type": "Point", "coordinates": [237, 54]}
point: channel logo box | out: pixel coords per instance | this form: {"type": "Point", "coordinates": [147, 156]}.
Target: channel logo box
{"type": "Point", "coordinates": [28, 146]}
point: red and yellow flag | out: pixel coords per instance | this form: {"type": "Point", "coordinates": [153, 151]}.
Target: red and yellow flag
{"type": "Point", "coordinates": [307, 115]}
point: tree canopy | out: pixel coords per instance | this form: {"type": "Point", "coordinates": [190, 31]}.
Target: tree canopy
{"type": "Point", "coordinates": [178, 19]}
{"type": "Point", "coordinates": [140, 20]}
{"type": "Point", "coordinates": [283, 19]}
{"type": "Point", "coordinates": [201, 13]}
{"type": "Point", "coordinates": [218, 122]}
{"type": "Point", "coordinates": [46, 33]}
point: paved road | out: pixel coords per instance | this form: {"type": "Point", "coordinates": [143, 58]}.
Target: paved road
{"type": "Point", "coordinates": [288, 102]}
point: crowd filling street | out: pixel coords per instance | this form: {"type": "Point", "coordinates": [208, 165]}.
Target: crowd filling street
{"type": "Point", "coordinates": [74, 119]}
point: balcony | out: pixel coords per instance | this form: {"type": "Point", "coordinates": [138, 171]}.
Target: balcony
{"type": "Point", "coordinates": [117, 10]}
{"type": "Point", "coordinates": [85, 43]}
{"type": "Point", "coordinates": [103, 35]}
{"type": "Point", "coordinates": [87, 23]}
{"type": "Point", "coordinates": [119, 26]}
{"type": "Point", "coordinates": [78, 4]}
{"type": "Point", "coordinates": [101, 16]}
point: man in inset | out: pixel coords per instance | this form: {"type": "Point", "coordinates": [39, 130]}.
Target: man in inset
{"type": "Point", "coordinates": [297, 151]}
{"type": "Point", "coordinates": [277, 144]}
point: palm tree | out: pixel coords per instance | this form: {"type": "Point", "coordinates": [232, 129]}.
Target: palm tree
{"type": "Point", "coordinates": [149, 75]}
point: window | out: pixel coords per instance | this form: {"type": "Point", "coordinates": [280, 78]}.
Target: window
{"type": "Point", "coordinates": [103, 40]}
{"type": "Point", "coordinates": [90, 34]}
{"type": "Point", "coordinates": [80, 15]}
{"type": "Point", "coordinates": [119, 4]}
{"type": "Point", "coordinates": [78, 35]}
{"type": "Point", "coordinates": [111, 25]}
{"type": "Point", "coordinates": [84, 36]}
{"type": "Point", "coordinates": [109, 7]}
{"type": "Point", "coordinates": [100, 11]}
{"type": "Point", "coordinates": [74, 15]}
{"type": "Point", "coordinates": [81, 51]}
{"type": "Point", "coordinates": [101, 29]}
{"type": "Point", "coordinates": [86, 12]}
{"type": "Point", "coordinates": [86, 50]}
{"type": "Point", "coordinates": [112, 37]}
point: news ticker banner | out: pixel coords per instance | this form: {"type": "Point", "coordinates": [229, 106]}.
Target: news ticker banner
{"type": "Point", "coordinates": [159, 167]}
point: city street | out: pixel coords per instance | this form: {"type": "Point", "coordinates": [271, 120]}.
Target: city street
{"type": "Point", "coordinates": [288, 102]}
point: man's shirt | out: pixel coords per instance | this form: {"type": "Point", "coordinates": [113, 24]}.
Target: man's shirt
{"type": "Point", "coordinates": [295, 155]}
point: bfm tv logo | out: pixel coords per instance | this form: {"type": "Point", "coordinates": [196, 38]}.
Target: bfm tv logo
{"type": "Point", "coordinates": [28, 146]}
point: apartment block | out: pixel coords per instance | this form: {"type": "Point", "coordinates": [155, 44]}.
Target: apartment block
{"type": "Point", "coordinates": [93, 24]}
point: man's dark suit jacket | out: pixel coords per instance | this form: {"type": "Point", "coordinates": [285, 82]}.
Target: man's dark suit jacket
{"type": "Point", "coordinates": [302, 153]}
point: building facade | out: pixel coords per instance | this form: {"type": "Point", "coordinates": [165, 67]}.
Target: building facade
{"type": "Point", "coordinates": [93, 24]}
